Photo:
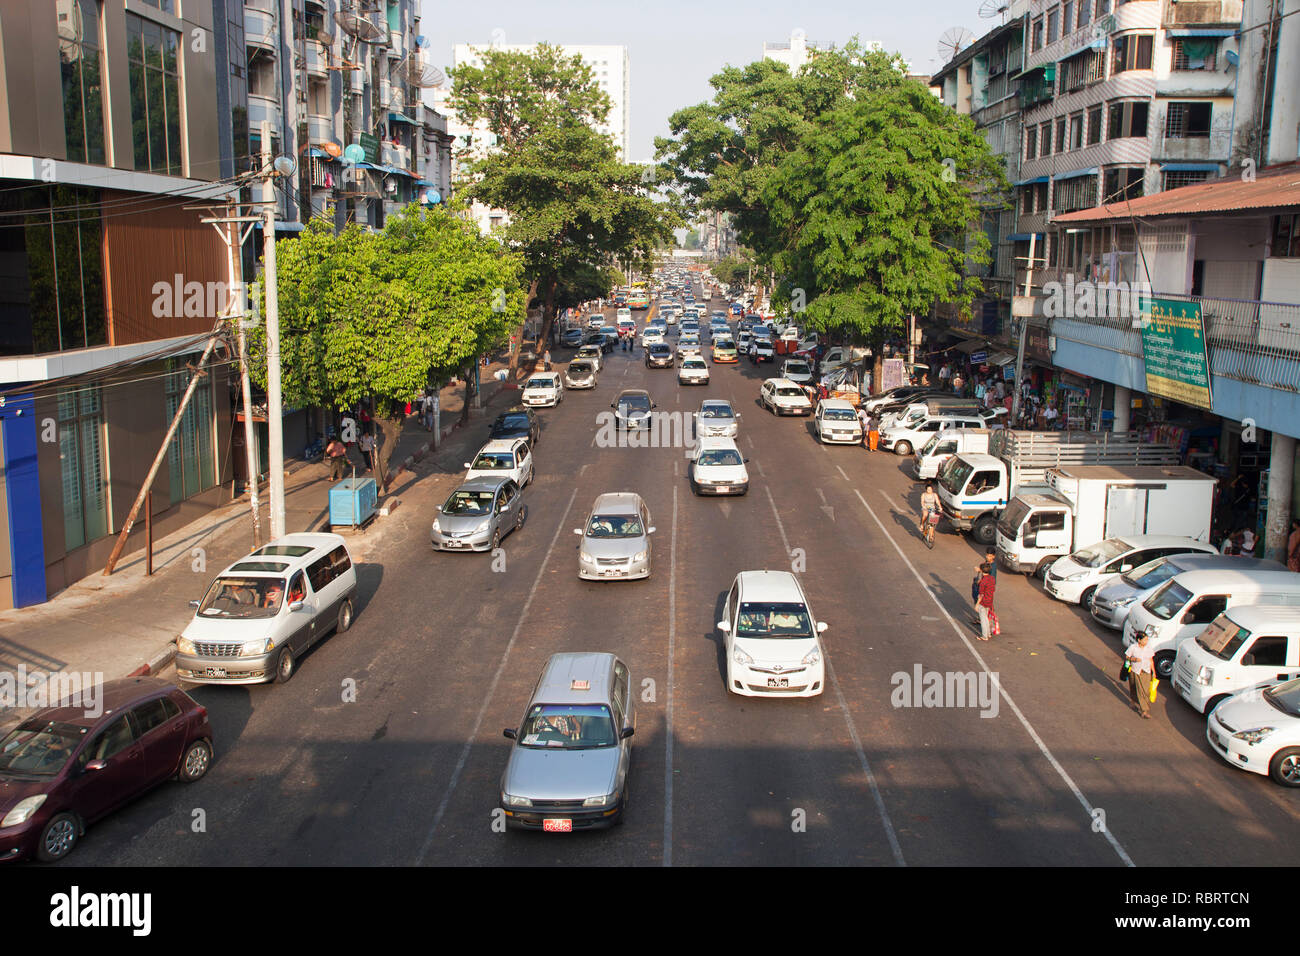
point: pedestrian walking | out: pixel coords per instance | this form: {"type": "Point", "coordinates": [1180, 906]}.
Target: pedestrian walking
{"type": "Point", "coordinates": [367, 446]}
{"type": "Point", "coordinates": [336, 453]}
{"type": "Point", "coordinates": [984, 605]}
{"type": "Point", "coordinates": [546, 360]}
{"type": "Point", "coordinates": [873, 431]}
{"type": "Point", "coordinates": [1141, 672]}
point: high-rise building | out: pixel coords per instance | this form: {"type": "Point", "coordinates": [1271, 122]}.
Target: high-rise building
{"type": "Point", "coordinates": [794, 52]}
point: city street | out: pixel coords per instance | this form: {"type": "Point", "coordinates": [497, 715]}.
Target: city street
{"type": "Point", "coordinates": [445, 650]}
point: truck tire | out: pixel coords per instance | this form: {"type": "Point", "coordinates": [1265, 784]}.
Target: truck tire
{"type": "Point", "coordinates": [1164, 665]}
{"type": "Point", "coordinates": [985, 531]}
{"type": "Point", "coordinates": [903, 448]}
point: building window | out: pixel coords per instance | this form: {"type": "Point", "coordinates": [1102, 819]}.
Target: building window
{"type": "Point", "coordinates": [81, 461]}
{"type": "Point", "coordinates": [1036, 41]}
{"type": "Point", "coordinates": [1199, 54]}
{"type": "Point", "coordinates": [1094, 126]}
{"type": "Point", "coordinates": [166, 6]}
{"type": "Point", "coordinates": [83, 89]}
{"type": "Point", "coordinates": [190, 457]}
{"type": "Point", "coordinates": [1053, 25]}
{"type": "Point", "coordinates": [1186, 120]}
{"type": "Point", "coordinates": [1123, 183]}
{"type": "Point", "coordinates": [1076, 131]}
{"type": "Point", "coordinates": [1060, 134]}
{"type": "Point", "coordinates": [1077, 193]}
{"type": "Point", "coordinates": [1081, 70]}
{"type": "Point", "coordinates": [1131, 52]}
{"type": "Point", "coordinates": [152, 52]}
{"type": "Point", "coordinates": [1175, 178]}
{"type": "Point", "coordinates": [1067, 16]}
{"type": "Point", "coordinates": [1286, 237]}
{"type": "Point", "coordinates": [1085, 13]}
{"type": "Point", "coordinates": [1127, 119]}
{"type": "Point", "coordinates": [318, 97]}
{"type": "Point", "coordinates": [1045, 139]}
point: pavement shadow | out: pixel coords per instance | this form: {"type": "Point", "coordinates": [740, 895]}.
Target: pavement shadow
{"type": "Point", "coordinates": [956, 600]}
{"type": "Point", "coordinates": [13, 655]}
{"type": "Point", "coordinates": [718, 640]}
{"type": "Point", "coordinates": [1090, 673]}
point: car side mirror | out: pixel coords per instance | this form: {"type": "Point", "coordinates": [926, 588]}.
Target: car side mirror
{"type": "Point", "coordinates": [1189, 617]}
{"type": "Point", "coordinates": [194, 603]}
{"type": "Point", "coordinates": [626, 733]}
{"type": "Point", "coordinates": [509, 733]}
{"type": "Point", "coordinates": [821, 627]}
{"type": "Point", "coordinates": [745, 461]}
{"type": "Point", "coordinates": [577, 531]}
{"type": "Point", "coordinates": [1031, 539]}
{"type": "Point", "coordinates": [468, 465]}
{"type": "Point", "coordinates": [96, 765]}
{"type": "Point", "coordinates": [613, 404]}
{"type": "Point", "coordinates": [724, 627]}
{"type": "Point", "coordinates": [650, 530]}
{"type": "Point", "coordinates": [296, 605]}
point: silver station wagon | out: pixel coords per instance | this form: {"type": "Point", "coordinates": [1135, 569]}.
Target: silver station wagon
{"type": "Point", "coordinates": [616, 539]}
{"type": "Point", "coordinates": [569, 765]}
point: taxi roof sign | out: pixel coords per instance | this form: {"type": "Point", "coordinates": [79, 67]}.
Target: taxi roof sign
{"type": "Point", "coordinates": [580, 685]}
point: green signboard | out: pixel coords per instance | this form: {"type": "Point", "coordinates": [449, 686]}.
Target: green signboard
{"type": "Point", "coordinates": [370, 144]}
{"type": "Point", "coordinates": [1173, 349]}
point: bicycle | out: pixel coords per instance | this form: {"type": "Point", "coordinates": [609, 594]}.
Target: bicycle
{"type": "Point", "coordinates": [929, 522]}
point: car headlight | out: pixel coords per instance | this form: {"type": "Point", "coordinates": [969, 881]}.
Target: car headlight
{"type": "Point", "coordinates": [262, 645]}
{"type": "Point", "coordinates": [1125, 602]}
{"type": "Point", "coordinates": [511, 800]}
{"type": "Point", "coordinates": [1077, 577]}
{"type": "Point", "coordinates": [604, 801]}
{"type": "Point", "coordinates": [483, 527]}
{"type": "Point", "coordinates": [184, 645]}
{"type": "Point", "coordinates": [639, 556]}
{"type": "Point", "coordinates": [23, 811]}
{"type": "Point", "coordinates": [812, 657]}
{"type": "Point", "coordinates": [436, 529]}
{"type": "Point", "coordinates": [1205, 675]}
{"type": "Point", "coordinates": [1254, 735]}
{"type": "Point", "coordinates": [584, 556]}
{"type": "Point", "coordinates": [740, 657]}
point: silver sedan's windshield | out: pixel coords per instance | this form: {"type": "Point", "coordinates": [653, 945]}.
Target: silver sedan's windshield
{"type": "Point", "coordinates": [568, 727]}
{"type": "Point", "coordinates": [614, 526]}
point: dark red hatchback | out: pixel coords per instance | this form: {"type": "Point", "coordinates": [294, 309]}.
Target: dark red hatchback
{"type": "Point", "coordinates": [65, 767]}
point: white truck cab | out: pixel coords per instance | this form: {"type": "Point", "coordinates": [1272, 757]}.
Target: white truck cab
{"type": "Point", "coordinates": [951, 441]}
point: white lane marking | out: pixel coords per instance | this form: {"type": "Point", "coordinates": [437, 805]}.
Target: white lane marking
{"type": "Point", "coordinates": [759, 466]}
{"type": "Point", "coordinates": [841, 471]}
{"type": "Point", "coordinates": [1002, 691]}
{"type": "Point", "coordinates": [848, 719]}
{"type": "Point", "coordinates": [491, 690]}
{"type": "Point", "coordinates": [668, 711]}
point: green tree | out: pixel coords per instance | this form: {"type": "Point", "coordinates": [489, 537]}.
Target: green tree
{"type": "Point", "coordinates": [377, 316]}
{"type": "Point", "coordinates": [573, 205]}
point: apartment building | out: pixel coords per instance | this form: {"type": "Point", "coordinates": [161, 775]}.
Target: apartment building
{"type": "Point", "coordinates": [796, 51]}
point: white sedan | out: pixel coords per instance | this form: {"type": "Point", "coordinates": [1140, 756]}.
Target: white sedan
{"type": "Point", "coordinates": [543, 389]}
{"type": "Point", "coordinates": [837, 421]}
{"type": "Point", "coordinates": [797, 371]}
{"type": "Point", "coordinates": [503, 458]}
{"type": "Point", "coordinates": [694, 371]}
{"type": "Point", "coordinates": [1259, 730]}
{"type": "Point", "coordinates": [783, 397]}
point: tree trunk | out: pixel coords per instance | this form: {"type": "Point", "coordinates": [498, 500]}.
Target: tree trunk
{"type": "Point", "coordinates": [548, 321]}
{"type": "Point", "coordinates": [388, 428]}
{"type": "Point", "coordinates": [514, 351]}
{"type": "Point", "coordinates": [469, 391]}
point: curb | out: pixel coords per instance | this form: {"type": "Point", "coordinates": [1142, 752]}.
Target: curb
{"type": "Point", "coordinates": [156, 663]}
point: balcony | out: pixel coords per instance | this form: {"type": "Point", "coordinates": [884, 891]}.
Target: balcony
{"type": "Point", "coordinates": [263, 109]}
{"type": "Point", "coordinates": [1200, 13]}
{"type": "Point", "coordinates": [316, 58]}
{"type": "Point", "coordinates": [396, 43]}
{"type": "Point", "coordinates": [1212, 148]}
{"type": "Point", "coordinates": [320, 129]}
{"type": "Point", "coordinates": [259, 28]}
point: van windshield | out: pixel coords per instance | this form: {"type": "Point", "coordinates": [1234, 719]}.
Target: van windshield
{"type": "Point", "coordinates": [1223, 638]}
{"type": "Point", "coordinates": [1168, 600]}
{"type": "Point", "coordinates": [243, 598]}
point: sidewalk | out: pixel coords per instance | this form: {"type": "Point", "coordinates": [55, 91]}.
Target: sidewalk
{"type": "Point", "coordinates": [127, 623]}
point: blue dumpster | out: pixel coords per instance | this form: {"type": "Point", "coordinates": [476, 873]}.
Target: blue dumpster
{"type": "Point", "coordinates": [352, 502]}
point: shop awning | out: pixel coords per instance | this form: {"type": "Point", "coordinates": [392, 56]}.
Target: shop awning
{"type": "Point", "coordinates": [316, 153]}
{"type": "Point", "coordinates": [424, 182]}
{"type": "Point", "coordinates": [1001, 358]}
{"type": "Point", "coordinates": [971, 345]}
{"type": "Point", "coordinates": [1200, 32]}
{"type": "Point", "coordinates": [401, 118]}
{"type": "Point", "coordinates": [1075, 174]}
{"type": "Point", "coordinates": [1031, 182]}
{"type": "Point", "coordinates": [1023, 236]}
{"type": "Point", "coordinates": [1190, 167]}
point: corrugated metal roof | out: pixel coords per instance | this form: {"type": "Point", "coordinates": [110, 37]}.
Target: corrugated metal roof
{"type": "Point", "coordinates": [1273, 187]}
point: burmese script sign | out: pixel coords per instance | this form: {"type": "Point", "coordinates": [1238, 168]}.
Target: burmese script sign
{"type": "Point", "coordinates": [1173, 349]}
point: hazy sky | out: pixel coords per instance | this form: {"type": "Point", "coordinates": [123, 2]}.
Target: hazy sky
{"type": "Point", "coordinates": [674, 46]}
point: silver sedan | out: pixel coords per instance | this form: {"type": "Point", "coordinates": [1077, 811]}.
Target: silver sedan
{"type": "Point", "coordinates": [616, 539]}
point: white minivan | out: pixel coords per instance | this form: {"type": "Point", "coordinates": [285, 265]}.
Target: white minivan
{"type": "Point", "coordinates": [1181, 608]}
{"type": "Point", "coordinates": [1252, 645]}
{"type": "Point", "coordinates": [264, 611]}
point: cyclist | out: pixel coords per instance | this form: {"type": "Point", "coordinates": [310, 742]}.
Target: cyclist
{"type": "Point", "coordinates": [929, 507]}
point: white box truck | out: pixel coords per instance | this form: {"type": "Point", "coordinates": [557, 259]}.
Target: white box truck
{"type": "Point", "coordinates": [951, 441]}
{"type": "Point", "coordinates": [1083, 504]}
{"type": "Point", "coordinates": [974, 488]}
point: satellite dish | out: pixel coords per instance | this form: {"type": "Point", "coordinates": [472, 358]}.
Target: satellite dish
{"type": "Point", "coordinates": [284, 166]}
{"type": "Point", "coordinates": [953, 41]}
{"type": "Point", "coordinates": [993, 8]}
{"type": "Point", "coordinates": [418, 74]}
{"type": "Point", "coordinates": [355, 25]}
{"type": "Point", "coordinates": [332, 148]}
{"type": "Point", "coordinates": [354, 154]}
{"type": "Point", "coordinates": [421, 42]}
{"type": "Point", "coordinates": [431, 197]}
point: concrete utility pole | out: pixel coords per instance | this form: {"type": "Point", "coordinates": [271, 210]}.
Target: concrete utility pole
{"type": "Point", "coordinates": [1023, 308]}
{"type": "Point", "coordinates": [274, 411]}
{"type": "Point", "coordinates": [250, 435]}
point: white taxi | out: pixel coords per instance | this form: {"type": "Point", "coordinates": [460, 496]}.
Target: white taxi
{"type": "Point", "coordinates": [544, 390]}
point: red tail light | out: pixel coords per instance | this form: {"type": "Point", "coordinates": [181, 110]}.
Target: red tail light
{"type": "Point", "coordinates": [203, 712]}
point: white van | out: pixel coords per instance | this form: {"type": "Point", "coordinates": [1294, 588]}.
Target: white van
{"type": "Point", "coordinates": [913, 433]}
{"type": "Point", "coordinates": [1180, 608]}
{"type": "Point", "coordinates": [264, 611]}
{"type": "Point", "coordinates": [1252, 645]}
{"type": "Point", "coordinates": [930, 457]}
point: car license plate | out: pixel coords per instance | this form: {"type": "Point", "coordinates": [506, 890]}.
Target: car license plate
{"type": "Point", "coordinates": [778, 682]}
{"type": "Point", "coordinates": [214, 672]}
{"type": "Point", "coordinates": [557, 826]}
{"type": "Point", "coordinates": [453, 544]}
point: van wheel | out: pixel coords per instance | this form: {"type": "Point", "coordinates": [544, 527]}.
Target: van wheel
{"type": "Point", "coordinates": [345, 617]}
{"type": "Point", "coordinates": [985, 531]}
{"type": "Point", "coordinates": [195, 763]}
{"type": "Point", "coordinates": [58, 838]}
{"type": "Point", "coordinates": [1284, 768]}
{"type": "Point", "coordinates": [1165, 665]}
{"type": "Point", "coordinates": [903, 448]}
{"type": "Point", "coordinates": [284, 666]}
{"type": "Point", "coordinates": [523, 516]}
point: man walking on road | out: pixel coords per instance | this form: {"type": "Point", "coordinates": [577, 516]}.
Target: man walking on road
{"type": "Point", "coordinates": [1140, 673]}
{"type": "Point", "coordinates": [984, 607]}
{"type": "Point", "coordinates": [336, 453]}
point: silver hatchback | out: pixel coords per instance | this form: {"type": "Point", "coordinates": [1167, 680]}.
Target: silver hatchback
{"type": "Point", "coordinates": [616, 539]}
{"type": "Point", "coordinates": [569, 765]}
{"type": "Point", "coordinates": [478, 515]}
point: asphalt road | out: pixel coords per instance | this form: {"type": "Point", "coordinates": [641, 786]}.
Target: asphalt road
{"type": "Point", "coordinates": [445, 650]}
